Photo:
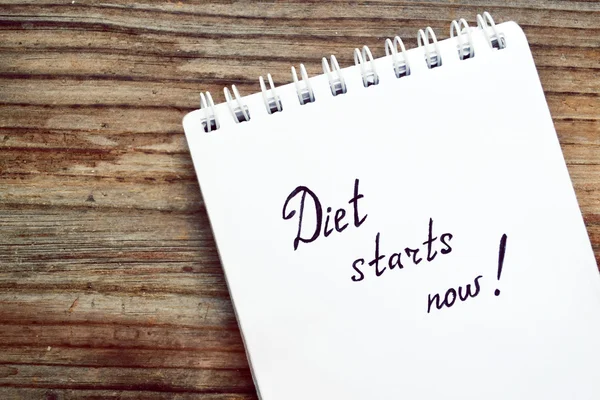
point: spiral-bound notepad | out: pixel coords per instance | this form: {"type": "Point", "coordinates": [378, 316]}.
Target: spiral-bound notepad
{"type": "Point", "coordinates": [404, 228]}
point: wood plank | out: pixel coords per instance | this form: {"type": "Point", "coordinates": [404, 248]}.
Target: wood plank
{"type": "Point", "coordinates": [122, 357]}
{"type": "Point", "coordinates": [54, 307]}
{"type": "Point", "coordinates": [118, 378]}
{"type": "Point", "coordinates": [128, 120]}
{"type": "Point", "coordinates": [117, 336]}
{"type": "Point", "coordinates": [186, 14]}
{"type": "Point", "coordinates": [11, 393]}
{"type": "Point", "coordinates": [90, 192]}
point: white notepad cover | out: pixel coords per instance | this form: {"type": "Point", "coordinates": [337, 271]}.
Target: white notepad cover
{"type": "Point", "coordinates": [468, 147]}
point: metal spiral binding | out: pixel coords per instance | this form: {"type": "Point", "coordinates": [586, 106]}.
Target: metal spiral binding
{"type": "Point", "coordinates": [433, 58]}
{"type": "Point", "coordinates": [401, 67]}
{"type": "Point", "coordinates": [304, 89]}
{"type": "Point", "coordinates": [363, 59]}
{"type": "Point", "coordinates": [239, 111]}
{"type": "Point", "coordinates": [210, 121]}
{"type": "Point", "coordinates": [368, 72]}
{"type": "Point", "coordinates": [465, 49]}
{"type": "Point", "coordinates": [337, 84]}
{"type": "Point", "coordinates": [486, 22]}
{"type": "Point", "coordinates": [272, 102]}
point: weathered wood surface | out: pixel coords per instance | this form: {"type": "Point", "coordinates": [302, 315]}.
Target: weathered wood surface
{"type": "Point", "coordinates": [110, 283]}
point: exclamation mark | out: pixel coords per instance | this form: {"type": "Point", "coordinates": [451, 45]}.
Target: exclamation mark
{"type": "Point", "coordinates": [501, 251]}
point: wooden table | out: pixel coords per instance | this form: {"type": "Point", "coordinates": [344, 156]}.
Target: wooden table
{"type": "Point", "coordinates": [110, 283]}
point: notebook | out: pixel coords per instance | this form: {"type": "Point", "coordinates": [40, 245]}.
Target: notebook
{"type": "Point", "coordinates": [404, 228]}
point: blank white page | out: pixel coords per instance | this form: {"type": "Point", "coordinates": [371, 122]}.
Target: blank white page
{"type": "Point", "coordinates": [468, 149]}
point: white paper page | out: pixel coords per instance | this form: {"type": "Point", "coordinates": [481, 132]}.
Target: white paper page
{"type": "Point", "coordinates": [469, 145]}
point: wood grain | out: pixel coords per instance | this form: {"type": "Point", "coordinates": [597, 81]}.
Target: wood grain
{"type": "Point", "coordinates": [110, 283]}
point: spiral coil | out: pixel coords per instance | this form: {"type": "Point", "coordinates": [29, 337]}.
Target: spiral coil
{"type": "Point", "coordinates": [363, 59]}
{"type": "Point", "coordinates": [337, 84]}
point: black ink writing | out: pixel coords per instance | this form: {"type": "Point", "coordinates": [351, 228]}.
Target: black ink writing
{"type": "Point", "coordinates": [361, 276]}
{"type": "Point", "coordinates": [412, 254]}
{"type": "Point", "coordinates": [306, 195]}
{"type": "Point", "coordinates": [394, 261]}
{"type": "Point", "coordinates": [377, 258]}
{"type": "Point", "coordinates": [501, 252]}
{"type": "Point", "coordinates": [315, 219]}
{"type": "Point", "coordinates": [354, 201]}
{"type": "Point", "coordinates": [450, 297]}
{"type": "Point", "coordinates": [303, 191]}
{"type": "Point", "coordinates": [339, 216]}
{"type": "Point", "coordinates": [445, 239]}
{"type": "Point", "coordinates": [429, 242]}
